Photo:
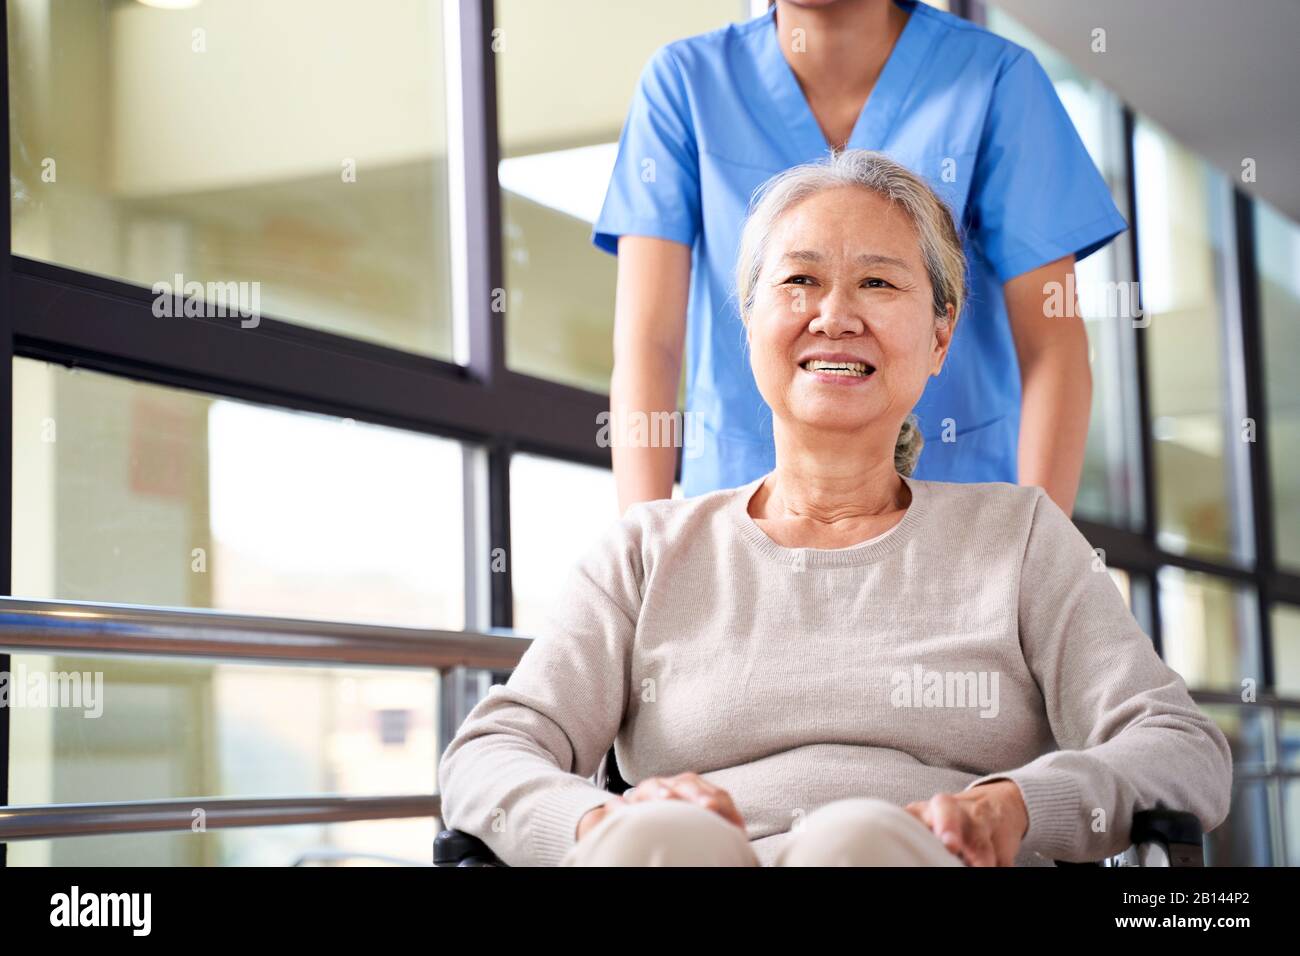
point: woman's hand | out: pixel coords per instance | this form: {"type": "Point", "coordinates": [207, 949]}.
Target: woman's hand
{"type": "Point", "coordinates": [685, 786]}
{"type": "Point", "coordinates": [983, 825]}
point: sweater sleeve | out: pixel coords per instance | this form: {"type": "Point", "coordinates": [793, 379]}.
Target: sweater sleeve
{"type": "Point", "coordinates": [516, 775]}
{"type": "Point", "coordinates": [1128, 734]}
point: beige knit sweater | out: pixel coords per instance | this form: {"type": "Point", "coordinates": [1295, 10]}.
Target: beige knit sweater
{"type": "Point", "coordinates": [979, 638]}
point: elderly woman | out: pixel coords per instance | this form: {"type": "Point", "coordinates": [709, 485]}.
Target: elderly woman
{"type": "Point", "coordinates": [838, 663]}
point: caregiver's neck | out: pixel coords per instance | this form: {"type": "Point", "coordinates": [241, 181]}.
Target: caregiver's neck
{"type": "Point", "coordinates": [828, 477]}
{"type": "Point", "coordinates": [838, 49]}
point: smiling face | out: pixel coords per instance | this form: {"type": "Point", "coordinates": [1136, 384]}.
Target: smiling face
{"type": "Point", "coordinates": [842, 330]}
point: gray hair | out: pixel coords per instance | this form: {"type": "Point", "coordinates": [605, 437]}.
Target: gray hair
{"type": "Point", "coordinates": [941, 244]}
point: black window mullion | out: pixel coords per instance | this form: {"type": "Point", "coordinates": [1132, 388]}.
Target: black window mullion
{"type": "Point", "coordinates": [1256, 397]}
{"type": "Point", "coordinates": [973, 10]}
{"type": "Point", "coordinates": [480, 151]}
{"type": "Point", "coordinates": [503, 602]}
{"type": "Point", "coordinates": [487, 299]}
{"type": "Point", "coordinates": [1142, 369]}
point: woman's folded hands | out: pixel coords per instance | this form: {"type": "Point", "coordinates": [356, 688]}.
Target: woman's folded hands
{"type": "Point", "coordinates": [684, 786]}
{"type": "Point", "coordinates": [983, 825]}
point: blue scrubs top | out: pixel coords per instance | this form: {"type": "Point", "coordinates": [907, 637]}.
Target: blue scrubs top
{"type": "Point", "coordinates": [716, 115]}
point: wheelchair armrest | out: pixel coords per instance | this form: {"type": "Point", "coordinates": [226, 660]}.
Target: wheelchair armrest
{"type": "Point", "coordinates": [1158, 837]}
{"type": "Point", "coordinates": [1171, 826]}
{"type": "Point", "coordinates": [1163, 837]}
{"type": "Point", "coordinates": [458, 848]}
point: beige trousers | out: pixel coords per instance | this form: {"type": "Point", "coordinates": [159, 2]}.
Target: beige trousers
{"type": "Point", "coordinates": [858, 831]}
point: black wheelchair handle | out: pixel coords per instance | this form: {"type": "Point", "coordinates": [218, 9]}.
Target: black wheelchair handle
{"type": "Point", "coordinates": [457, 848]}
{"type": "Point", "coordinates": [1166, 826]}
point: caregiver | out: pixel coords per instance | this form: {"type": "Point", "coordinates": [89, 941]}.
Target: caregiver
{"type": "Point", "coordinates": [715, 115]}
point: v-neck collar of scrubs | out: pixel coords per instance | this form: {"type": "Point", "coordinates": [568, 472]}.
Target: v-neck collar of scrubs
{"type": "Point", "coordinates": [883, 103]}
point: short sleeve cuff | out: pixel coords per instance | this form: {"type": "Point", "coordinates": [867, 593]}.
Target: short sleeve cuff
{"type": "Point", "coordinates": [554, 818]}
{"type": "Point", "coordinates": [606, 233]}
{"type": "Point", "coordinates": [1052, 799]}
{"type": "Point", "coordinates": [1080, 243]}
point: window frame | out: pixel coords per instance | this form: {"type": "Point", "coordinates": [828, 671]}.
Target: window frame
{"type": "Point", "coordinates": [1137, 552]}
{"type": "Point", "coordinates": [60, 315]}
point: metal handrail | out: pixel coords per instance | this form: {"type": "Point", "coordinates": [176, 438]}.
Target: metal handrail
{"type": "Point", "coordinates": [46, 626]}
{"type": "Point", "coordinates": [218, 813]}
{"type": "Point", "coordinates": [339, 855]}
{"type": "Point", "coordinates": [1233, 698]}
{"type": "Point", "coordinates": [89, 627]}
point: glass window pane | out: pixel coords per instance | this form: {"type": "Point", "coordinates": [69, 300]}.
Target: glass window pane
{"type": "Point", "coordinates": [336, 844]}
{"type": "Point", "coordinates": [1110, 489]}
{"type": "Point", "coordinates": [1277, 254]}
{"type": "Point", "coordinates": [1249, 730]}
{"type": "Point", "coordinates": [556, 163]}
{"type": "Point", "coordinates": [557, 511]}
{"type": "Point", "coordinates": [1286, 650]}
{"type": "Point", "coordinates": [1289, 741]}
{"type": "Point", "coordinates": [141, 728]}
{"type": "Point", "coordinates": [1209, 630]}
{"type": "Point", "coordinates": [1182, 239]}
{"type": "Point", "coordinates": [304, 154]}
{"type": "Point", "coordinates": [1245, 838]}
{"type": "Point", "coordinates": [139, 494]}
{"type": "Point", "coordinates": [1291, 812]}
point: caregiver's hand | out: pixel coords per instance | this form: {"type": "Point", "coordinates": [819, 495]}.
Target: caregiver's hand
{"type": "Point", "coordinates": [983, 825]}
{"type": "Point", "coordinates": [685, 786]}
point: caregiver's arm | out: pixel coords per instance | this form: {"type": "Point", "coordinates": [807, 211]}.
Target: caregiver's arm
{"type": "Point", "coordinates": [1129, 735]}
{"type": "Point", "coordinates": [1055, 381]}
{"type": "Point", "coordinates": [649, 338]}
{"type": "Point", "coordinates": [515, 774]}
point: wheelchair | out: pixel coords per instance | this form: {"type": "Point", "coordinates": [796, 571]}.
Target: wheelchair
{"type": "Point", "coordinates": [1159, 837]}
